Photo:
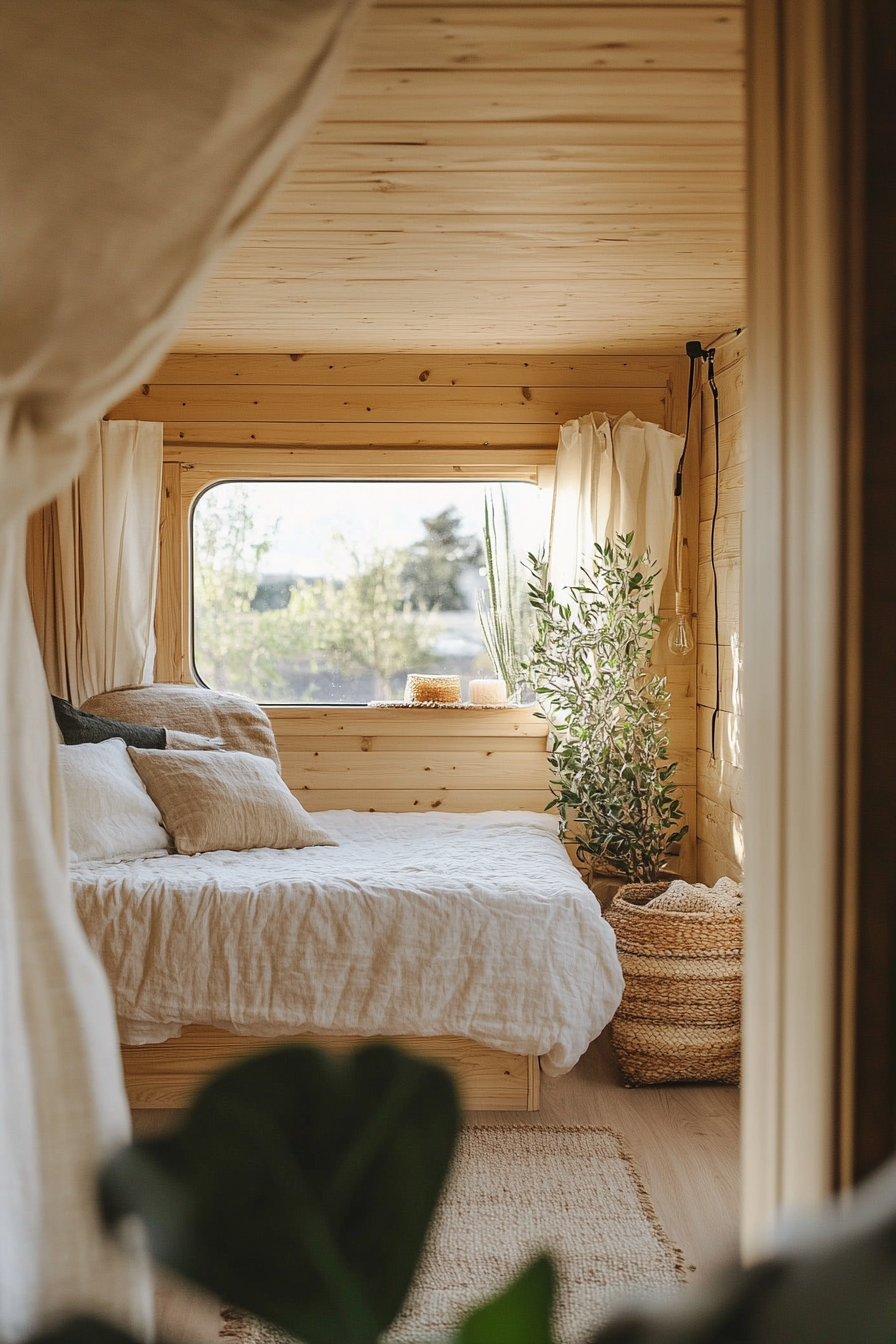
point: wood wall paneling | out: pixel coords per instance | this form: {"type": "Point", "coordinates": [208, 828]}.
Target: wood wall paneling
{"type": "Point", "coordinates": [720, 836]}
{"type": "Point", "coordinates": [681, 674]}
{"type": "Point", "coordinates": [598, 4]}
{"type": "Point", "coordinates": [461, 401]}
{"type": "Point", "coordinates": [394, 760]}
{"type": "Point", "coordinates": [446, 37]}
{"type": "Point", "coordinates": [521, 405]}
{"type": "Point", "coordinates": [169, 625]}
{"type": "Point", "coordinates": [485, 369]}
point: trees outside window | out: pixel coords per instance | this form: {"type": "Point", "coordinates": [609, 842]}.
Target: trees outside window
{"type": "Point", "coordinates": [350, 632]}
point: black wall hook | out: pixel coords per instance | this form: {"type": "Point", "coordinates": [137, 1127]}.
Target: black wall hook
{"type": "Point", "coordinates": [694, 351]}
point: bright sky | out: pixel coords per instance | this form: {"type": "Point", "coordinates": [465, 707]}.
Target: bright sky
{"type": "Point", "coordinates": [372, 514]}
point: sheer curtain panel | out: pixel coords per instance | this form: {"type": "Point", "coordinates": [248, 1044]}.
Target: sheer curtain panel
{"type": "Point", "coordinates": [613, 476]}
{"type": "Point", "coordinates": [136, 142]}
{"type": "Point", "coordinates": [92, 565]}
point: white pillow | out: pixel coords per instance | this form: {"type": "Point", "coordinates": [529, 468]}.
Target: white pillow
{"type": "Point", "coordinates": [110, 814]}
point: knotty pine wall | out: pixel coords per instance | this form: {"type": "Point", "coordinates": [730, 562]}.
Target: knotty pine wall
{"type": "Point", "coordinates": [231, 416]}
{"type": "Point", "coordinates": [720, 839]}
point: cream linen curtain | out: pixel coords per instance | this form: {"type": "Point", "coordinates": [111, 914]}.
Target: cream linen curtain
{"type": "Point", "coordinates": [136, 141]}
{"type": "Point", "coordinates": [613, 476]}
{"type": "Point", "coordinates": [92, 565]}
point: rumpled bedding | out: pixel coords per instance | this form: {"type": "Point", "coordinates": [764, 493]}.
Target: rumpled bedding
{"type": "Point", "coordinates": [475, 926]}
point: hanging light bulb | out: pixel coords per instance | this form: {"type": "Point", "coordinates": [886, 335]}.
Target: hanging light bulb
{"type": "Point", "coordinates": [679, 636]}
{"type": "Point", "coordinates": [679, 640]}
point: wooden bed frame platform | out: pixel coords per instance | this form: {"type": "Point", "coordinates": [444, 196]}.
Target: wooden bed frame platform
{"type": "Point", "coordinates": [167, 1075]}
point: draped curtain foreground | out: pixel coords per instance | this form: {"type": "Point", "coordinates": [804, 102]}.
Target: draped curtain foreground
{"type": "Point", "coordinates": [136, 142]}
{"type": "Point", "coordinates": [614, 475]}
{"type": "Point", "coordinates": [92, 565]}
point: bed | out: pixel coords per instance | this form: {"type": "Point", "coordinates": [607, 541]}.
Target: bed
{"type": "Point", "coordinates": [472, 937]}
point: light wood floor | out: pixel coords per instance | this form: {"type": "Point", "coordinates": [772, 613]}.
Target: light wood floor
{"type": "Point", "coordinates": [684, 1141]}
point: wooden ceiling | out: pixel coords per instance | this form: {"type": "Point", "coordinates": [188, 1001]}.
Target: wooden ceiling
{"type": "Point", "coordinates": [507, 177]}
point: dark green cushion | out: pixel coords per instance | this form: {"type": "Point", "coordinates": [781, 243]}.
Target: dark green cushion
{"type": "Point", "coordinates": [77, 726]}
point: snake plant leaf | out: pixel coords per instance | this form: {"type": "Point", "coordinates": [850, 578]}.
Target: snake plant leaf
{"type": "Point", "coordinates": [519, 1315]}
{"type": "Point", "coordinates": [299, 1187]}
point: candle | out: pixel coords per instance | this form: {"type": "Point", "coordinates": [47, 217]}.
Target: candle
{"type": "Point", "coordinates": [491, 691]}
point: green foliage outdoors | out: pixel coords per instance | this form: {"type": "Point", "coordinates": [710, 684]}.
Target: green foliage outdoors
{"type": "Point", "coordinates": [365, 624]}
{"type": "Point", "coordinates": [613, 782]}
{"type": "Point", "coordinates": [381, 620]}
{"type": "Point", "coordinates": [241, 650]}
{"type": "Point", "coordinates": [434, 565]}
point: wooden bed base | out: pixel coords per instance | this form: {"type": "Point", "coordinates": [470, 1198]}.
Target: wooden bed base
{"type": "Point", "coordinates": [167, 1075]}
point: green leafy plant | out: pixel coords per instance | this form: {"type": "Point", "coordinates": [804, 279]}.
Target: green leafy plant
{"type": "Point", "coordinates": [300, 1188]}
{"type": "Point", "coordinates": [505, 615]}
{"type": "Point", "coordinates": [613, 782]}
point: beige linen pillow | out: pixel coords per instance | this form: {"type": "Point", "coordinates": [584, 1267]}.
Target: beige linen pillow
{"type": "Point", "coordinates": [191, 709]}
{"type": "Point", "coordinates": [224, 800]}
{"type": "Point", "coordinates": [176, 741]}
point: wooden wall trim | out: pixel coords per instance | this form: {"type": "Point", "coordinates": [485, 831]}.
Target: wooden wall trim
{"type": "Point", "coordinates": [410, 370]}
{"type": "Point", "coordinates": [202, 465]}
{"type": "Point", "coordinates": [260, 404]}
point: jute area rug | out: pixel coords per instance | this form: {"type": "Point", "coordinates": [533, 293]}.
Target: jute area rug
{"type": "Point", "coordinates": [516, 1190]}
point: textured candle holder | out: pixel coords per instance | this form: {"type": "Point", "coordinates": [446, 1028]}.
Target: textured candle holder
{"type": "Point", "coordinates": [438, 690]}
{"type": "Point", "coordinates": [488, 691]}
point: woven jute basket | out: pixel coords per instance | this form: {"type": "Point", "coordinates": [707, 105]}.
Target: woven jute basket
{"type": "Point", "coordinates": [679, 1020]}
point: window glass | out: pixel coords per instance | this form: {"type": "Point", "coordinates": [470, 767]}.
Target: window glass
{"type": "Point", "coordinates": [331, 592]}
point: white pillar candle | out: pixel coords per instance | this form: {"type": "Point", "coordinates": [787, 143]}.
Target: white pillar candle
{"type": "Point", "coordinates": [488, 692]}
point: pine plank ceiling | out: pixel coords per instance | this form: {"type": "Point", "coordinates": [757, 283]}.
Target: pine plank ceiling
{"type": "Point", "coordinates": [507, 177]}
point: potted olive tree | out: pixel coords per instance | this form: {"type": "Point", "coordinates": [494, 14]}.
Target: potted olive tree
{"type": "Point", "coordinates": [613, 782]}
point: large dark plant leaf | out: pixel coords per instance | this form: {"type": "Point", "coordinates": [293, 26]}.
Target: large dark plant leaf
{"type": "Point", "coordinates": [83, 1330]}
{"type": "Point", "coordinates": [299, 1187]}
{"type": "Point", "coordinates": [519, 1315]}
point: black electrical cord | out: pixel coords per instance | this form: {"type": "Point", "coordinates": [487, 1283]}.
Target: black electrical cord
{"type": "Point", "coordinates": [695, 351]}
{"type": "Point", "coordinates": [711, 379]}
{"type": "Point", "coordinates": [679, 475]}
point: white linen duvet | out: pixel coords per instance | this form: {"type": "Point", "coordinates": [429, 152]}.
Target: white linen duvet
{"type": "Point", "coordinates": [432, 925]}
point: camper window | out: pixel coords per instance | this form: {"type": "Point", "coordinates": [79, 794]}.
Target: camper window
{"type": "Point", "coordinates": [332, 591]}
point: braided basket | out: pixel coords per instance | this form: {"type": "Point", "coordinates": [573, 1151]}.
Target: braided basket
{"type": "Point", "coordinates": [680, 950]}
